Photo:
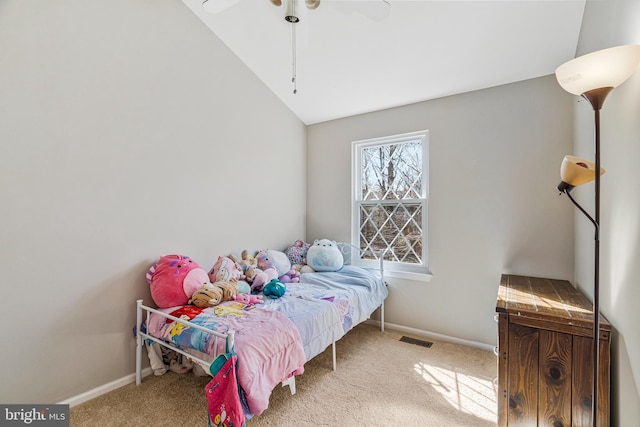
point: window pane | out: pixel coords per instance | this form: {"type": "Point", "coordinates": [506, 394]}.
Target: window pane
{"type": "Point", "coordinates": [392, 171]}
{"type": "Point", "coordinates": [397, 227]}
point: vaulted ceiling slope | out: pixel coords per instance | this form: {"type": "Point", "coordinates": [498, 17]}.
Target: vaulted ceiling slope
{"type": "Point", "coordinates": [349, 63]}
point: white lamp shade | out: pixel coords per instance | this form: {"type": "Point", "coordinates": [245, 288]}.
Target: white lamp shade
{"type": "Point", "coordinates": [576, 171]}
{"type": "Point", "coordinates": [603, 68]}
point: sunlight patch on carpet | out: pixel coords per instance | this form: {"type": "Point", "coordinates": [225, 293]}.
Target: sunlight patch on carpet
{"type": "Point", "coordinates": [465, 393]}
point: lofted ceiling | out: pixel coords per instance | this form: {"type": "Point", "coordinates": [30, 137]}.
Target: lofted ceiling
{"type": "Point", "coordinates": [357, 56]}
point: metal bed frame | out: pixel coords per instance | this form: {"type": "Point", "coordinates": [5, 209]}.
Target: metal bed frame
{"type": "Point", "coordinates": [229, 337]}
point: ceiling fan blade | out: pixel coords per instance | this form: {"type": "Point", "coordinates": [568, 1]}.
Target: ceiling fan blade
{"type": "Point", "coordinates": [276, 2]}
{"type": "Point", "coordinates": [312, 4]}
{"type": "Point", "coordinates": [217, 6]}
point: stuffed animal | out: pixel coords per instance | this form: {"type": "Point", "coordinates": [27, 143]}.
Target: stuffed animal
{"type": "Point", "coordinates": [242, 264]}
{"type": "Point", "coordinates": [207, 296]}
{"type": "Point", "coordinates": [324, 255]}
{"type": "Point", "coordinates": [297, 253]}
{"type": "Point", "coordinates": [249, 299]}
{"type": "Point", "coordinates": [275, 259]}
{"type": "Point", "coordinates": [274, 289]}
{"type": "Point", "coordinates": [291, 276]}
{"type": "Point", "coordinates": [261, 278]}
{"type": "Point", "coordinates": [250, 274]}
{"type": "Point", "coordinates": [212, 294]}
{"type": "Point", "coordinates": [272, 258]}
{"type": "Point", "coordinates": [302, 268]}
{"type": "Point", "coordinates": [229, 288]}
{"type": "Point", "coordinates": [243, 287]}
{"type": "Point", "coordinates": [224, 269]}
{"type": "Point", "coordinates": [174, 279]}
{"type": "Point", "coordinates": [247, 260]}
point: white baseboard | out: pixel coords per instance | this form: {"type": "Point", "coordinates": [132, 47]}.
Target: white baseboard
{"type": "Point", "coordinates": [434, 335]}
{"type": "Point", "coordinates": [103, 389]}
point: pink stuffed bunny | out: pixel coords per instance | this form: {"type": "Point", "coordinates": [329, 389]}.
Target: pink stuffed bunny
{"type": "Point", "coordinates": [249, 299]}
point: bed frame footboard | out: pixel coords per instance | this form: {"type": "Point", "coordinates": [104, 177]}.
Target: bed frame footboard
{"type": "Point", "coordinates": [141, 336]}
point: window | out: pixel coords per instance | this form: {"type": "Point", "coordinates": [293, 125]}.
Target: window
{"type": "Point", "coordinates": [390, 194]}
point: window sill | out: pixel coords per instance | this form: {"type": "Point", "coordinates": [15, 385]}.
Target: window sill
{"type": "Point", "coordinates": [417, 277]}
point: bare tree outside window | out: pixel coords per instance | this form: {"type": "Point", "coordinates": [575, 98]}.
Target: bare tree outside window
{"type": "Point", "coordinates": [390, 200]}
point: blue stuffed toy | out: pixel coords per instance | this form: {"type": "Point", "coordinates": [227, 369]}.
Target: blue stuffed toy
{"type": "Point", "coordinates": [274, 289]}
{"type": "Point", "coordinates": [324, 255]}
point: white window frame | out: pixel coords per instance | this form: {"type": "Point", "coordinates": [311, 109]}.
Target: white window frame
{"type": "Point", "coordinates": [391, 268]}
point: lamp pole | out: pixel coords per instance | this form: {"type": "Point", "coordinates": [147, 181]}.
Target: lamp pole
{"type": "Point", "coordinates": [596, 98]}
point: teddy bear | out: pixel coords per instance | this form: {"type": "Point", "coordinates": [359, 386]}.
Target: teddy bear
{"type": "Point", "coordinates": [270, 258]}
{"type": "Point", "coordinates": [247, 260]}
{"type": "Point", "coordinates": [324, 255]}
{"type": "Point", "coordinates": [174, 279]}
{"type": "Point", "coordinates": [243, 263]}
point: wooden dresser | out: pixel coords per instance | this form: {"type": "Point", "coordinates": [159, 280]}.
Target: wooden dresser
{"type": "Point", "coordinates": [545, 355]}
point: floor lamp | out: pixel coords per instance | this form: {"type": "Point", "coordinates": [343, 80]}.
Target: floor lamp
{"type": "Point", "coordinates": [594, 76]}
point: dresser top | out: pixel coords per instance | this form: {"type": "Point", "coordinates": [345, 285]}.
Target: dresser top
{"type": "Point", "coordinates": [548, 299]}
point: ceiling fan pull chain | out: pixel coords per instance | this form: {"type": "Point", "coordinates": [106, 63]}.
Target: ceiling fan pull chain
{"type": "Point", "coordinates": [292, 18]}
{"type": "Point", "coordinates": [293, 58]}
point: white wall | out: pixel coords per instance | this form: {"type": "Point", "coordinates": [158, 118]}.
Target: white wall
{"type": "Point", "coordinates": [608, 24]}
{"type": "Point", "coordinates": [125, 134]}
{"type": "Point", "coordinates": [493, 206]}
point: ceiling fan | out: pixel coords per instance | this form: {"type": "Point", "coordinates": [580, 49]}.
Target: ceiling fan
{"type": "Point", "coordinates": [373, 9]}
{"type": "Point", "coordinates": [376, 10]}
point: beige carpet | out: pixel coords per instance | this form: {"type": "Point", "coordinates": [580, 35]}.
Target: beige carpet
{"type": "Point", "coordinates": [380, 381]}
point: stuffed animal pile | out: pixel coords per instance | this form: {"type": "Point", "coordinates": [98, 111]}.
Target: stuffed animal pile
{"type": "Point", "coordinates": [178, 280]}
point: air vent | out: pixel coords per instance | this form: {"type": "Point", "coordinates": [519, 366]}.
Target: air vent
{"type": "Point", "coordinates": [416, 342]}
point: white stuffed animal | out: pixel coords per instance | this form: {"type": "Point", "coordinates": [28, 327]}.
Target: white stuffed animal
{"type": "Point", "coordinates": [324, 255]}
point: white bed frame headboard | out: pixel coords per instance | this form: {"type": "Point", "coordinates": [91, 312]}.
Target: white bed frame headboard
{"type": "Point", "coordinates": [347, 249]}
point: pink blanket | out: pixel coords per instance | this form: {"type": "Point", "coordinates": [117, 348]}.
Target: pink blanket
{"type": "Point", "coordinates": [268, 345]}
